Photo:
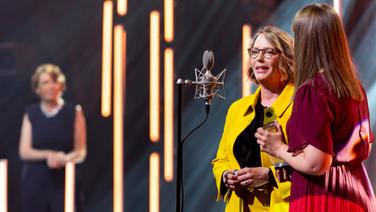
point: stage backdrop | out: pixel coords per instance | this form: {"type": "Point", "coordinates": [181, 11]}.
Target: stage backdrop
{"type": "Point", "coordinates": [69, 34]}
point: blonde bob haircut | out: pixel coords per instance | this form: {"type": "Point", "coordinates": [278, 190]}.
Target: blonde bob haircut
{"type": "Point", "coordinates": [283, 43]}
{"type": "Point", "coordinates": [50, 69]}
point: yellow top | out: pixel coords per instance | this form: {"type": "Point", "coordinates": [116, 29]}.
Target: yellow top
{"type": "Point", "coordinates": [239, 116]}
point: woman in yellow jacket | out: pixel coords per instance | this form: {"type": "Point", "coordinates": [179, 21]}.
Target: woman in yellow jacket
{"type": "Point", "coordinates": [245, 176]}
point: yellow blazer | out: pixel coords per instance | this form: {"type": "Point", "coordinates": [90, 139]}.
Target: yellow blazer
{"type": "Point", "coordinates": [239, 116]}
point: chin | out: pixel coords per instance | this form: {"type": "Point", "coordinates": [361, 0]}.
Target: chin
{"type": "Point", "coordinates": [260, 79]}
{"type": "Point", "coordinates": [50, 99]}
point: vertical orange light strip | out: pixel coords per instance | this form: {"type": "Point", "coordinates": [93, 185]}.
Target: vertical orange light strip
{"type": "Point", "coordinates": [69, 187]}
{"type": "Point", "coordinates": [154, 183]}
{"type": "Point", "coordinates": [3, 185]}
{"type": "Point", "coordinates": [107, 58]}
{"type": "Point", "coordinates": [169, 20]}
{"type": "Point", "coordinates": [337, 4]}
{"type": "Point", "coordinates": [246, 41]}
{"type": "Point", "coordinates": [122, 7]}
{"type": "Point", "coordinates": [169, 115]}
{"type": "Point", "coordinates": [154, 76]}
{"type": "Point", "coordinates": [119, 67]}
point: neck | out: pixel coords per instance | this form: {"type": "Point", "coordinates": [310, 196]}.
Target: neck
{"type": "Point", "coordinates": [270, 93]}
{"type": "Point", "coordinates": [51, 104]}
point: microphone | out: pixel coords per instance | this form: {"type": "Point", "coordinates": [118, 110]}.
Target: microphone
{"type": "Point", "coordinates": [207, 85]}
{"type": "Point", "coordinates": [208, 60]}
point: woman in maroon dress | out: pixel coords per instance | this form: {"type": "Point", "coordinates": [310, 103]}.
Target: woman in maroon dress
{"type": "Point", "coordinates": [329, 129]}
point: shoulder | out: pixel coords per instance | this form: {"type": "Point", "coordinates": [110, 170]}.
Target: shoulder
{"type": "Point", "coordinates": [72, 106]}
{"type": "Point", "coordinates": [243, 105]}
{"type": "Point", "coordinates": [317, 86]}
{"type": "Point", "coordinates": [243, 102]}
{"type": "Point", "coordinates": [32, 107]}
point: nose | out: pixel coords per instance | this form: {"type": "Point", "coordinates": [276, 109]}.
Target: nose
{"type": "Point", "coordinates": [260, 56]}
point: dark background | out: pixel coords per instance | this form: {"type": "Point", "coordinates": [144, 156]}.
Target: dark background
{"type": "Point", "coordinates": [69, 34]}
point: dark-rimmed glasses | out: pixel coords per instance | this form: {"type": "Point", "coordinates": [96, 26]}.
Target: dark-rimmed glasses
{"type": "Point", "coordinates": [267, 53]}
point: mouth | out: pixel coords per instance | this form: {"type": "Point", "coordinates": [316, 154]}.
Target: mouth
{"type": "Point", "coordinates": [262, 68]}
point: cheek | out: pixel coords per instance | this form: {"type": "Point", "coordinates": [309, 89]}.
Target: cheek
{"type": "Point", "coordinates": [252, 63]}
{"type": "Point", "coordinates": [60, 88]}
{"type": "Point", "coordinates": [274, 64]}
{"type": "Point", "coordinates": [37, 91]}
{"type": "Point", "coordinates": [57, 87]}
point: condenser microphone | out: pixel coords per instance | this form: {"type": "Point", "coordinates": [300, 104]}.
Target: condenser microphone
{"type": "Point", "coordinates": [208, 60]}
{"type": "Point", "coordinates": [207, 85]}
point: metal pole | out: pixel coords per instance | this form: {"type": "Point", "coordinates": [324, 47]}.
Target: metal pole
{"type": "Point", "coordinates": [179, 164]}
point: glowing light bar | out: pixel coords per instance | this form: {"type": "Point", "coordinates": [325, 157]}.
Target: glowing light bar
{"type": "Point", "coordinates": [122, 7]}
{"type": "Point", "coordinates": [107, 58]}
{"type": "Point", "coordinates": [169, 20]}
{"type": "Point", "coordinates": [69, 187]}
{"type": "Point", "coordinates": [3, 185]}
{"type": "Point", "coordinates": [119, 76]}
{"type": "Point", "coordinates": [246, 42]}
{"type": "Point", "coordinates": [154, 183]}
{"type": "Point", "coordinates": [154, 76]}
{"type": "Point", "coordinates": [337, 4]}
{"type": "Point", "coordinates": [169, 115]}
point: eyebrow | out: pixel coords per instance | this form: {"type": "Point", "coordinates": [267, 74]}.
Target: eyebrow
{"type": "Point", "coordinates": [266, 48]}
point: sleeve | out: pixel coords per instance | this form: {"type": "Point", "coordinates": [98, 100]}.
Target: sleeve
{"type": "Point", "coordinates": [221, 162]}
{"type": "Point", "coordinates": [29, 112]}
{"type": "Point", "coordinates": [310, 122]}
{"type": "Point", "coordinates": [371, 134]}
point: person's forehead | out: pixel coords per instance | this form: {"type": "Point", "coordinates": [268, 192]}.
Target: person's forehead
{"type": "Point", "coordinates": [45, 76]}
{"type": "Point", "coordinates": [262, 42]}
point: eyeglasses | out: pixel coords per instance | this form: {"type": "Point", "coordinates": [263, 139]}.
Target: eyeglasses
{"type": "Point", "coordinates": [267, 53]}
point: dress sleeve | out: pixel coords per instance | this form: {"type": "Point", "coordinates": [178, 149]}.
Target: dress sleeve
{"type": "Point", "coordinates": [371, 134]}
{"type": "Point", "coordinates": [310, 122]}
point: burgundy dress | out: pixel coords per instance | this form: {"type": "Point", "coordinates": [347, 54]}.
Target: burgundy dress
{"type": "Point", "coordinates": [340, 127]}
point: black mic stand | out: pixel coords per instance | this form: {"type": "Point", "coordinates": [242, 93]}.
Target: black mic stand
{"type": "Point", "coordinates": [179, 164]}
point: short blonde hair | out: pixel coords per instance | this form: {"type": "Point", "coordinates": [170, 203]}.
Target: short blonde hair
{"type": "Point", "coordinates": [283, 43]}
{"type": "Point", "coordinates": [53, 70]}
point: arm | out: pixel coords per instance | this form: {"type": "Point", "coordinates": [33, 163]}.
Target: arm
{"type": "Point", "coordinates": [78, 154]}
{"type": "Point", "coordinates": [220, 166]}
{"type": "Point", "coordinates": [26, 151]}
{"type": "Point", "coordinates": [53, 158]}
{"type": "Point", "coordinates": [221, 163]}
{"type": "Point", "coordinates": [309, 160]}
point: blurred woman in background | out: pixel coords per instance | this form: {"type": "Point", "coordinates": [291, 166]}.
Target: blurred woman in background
{"type": "Point", "coordinates": [53, 133]}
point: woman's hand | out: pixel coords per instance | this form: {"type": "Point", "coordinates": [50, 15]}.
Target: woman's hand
{"type": "Point", "coordinates": [253, 177]}
{"type": "Point", "coordinates": [230, 180]}
{"type": "Point", "coordinates": [271, 142]}
{"type": "Point", "coordinates": [56, 160]}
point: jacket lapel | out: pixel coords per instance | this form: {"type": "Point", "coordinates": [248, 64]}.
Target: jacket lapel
{"type": "Point", "coordinates": [284, 100]}
{"type": "Point", "coordinates": [246, 113]}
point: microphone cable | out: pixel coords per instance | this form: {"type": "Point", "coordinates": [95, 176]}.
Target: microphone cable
{"type": "Point", "coordinates": [207, 110]}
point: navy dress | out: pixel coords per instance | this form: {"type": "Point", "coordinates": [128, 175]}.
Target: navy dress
{"type": "Point", "coordinates": [43, 188]}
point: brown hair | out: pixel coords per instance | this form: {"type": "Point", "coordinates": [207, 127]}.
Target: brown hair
{"type": "Point", "coordinates": [321, 44]}
{"type": "Point", "coordinates": [282, 42]}
{"type": "Point", "coordinates": [50, 69]}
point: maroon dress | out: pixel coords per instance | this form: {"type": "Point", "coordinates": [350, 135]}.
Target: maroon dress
{"type": "Point", "coordinates": [340, 127]}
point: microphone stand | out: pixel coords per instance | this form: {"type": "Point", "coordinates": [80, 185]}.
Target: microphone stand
{"type": "Point", "coordinates": [179, 164]}
{"type": "Point", "coordinates": [207, 87]}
